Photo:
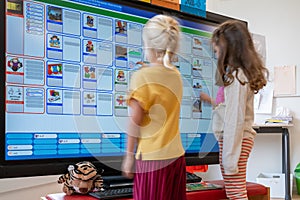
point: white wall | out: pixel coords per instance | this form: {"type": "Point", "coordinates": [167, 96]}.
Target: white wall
{"type": "Point", "coordinates": [31, 188]}
{"type": "Point", "coordinates": [278, 22]}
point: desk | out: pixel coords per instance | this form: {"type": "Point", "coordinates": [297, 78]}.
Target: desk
{"type": "Point", "coordinates": [283, 129]}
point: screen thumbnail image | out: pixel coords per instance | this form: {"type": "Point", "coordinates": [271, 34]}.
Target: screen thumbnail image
{"type": "Point", "coordinates": [89, 98]}
{"type": "Point", "coordinates": [121, 27]}
{"type": "Point", "coordinates": [54, 14]}
{"type": "Point", "coordinates": [121, 76]}
{"type": "Point", "coordinates": [54, 96]}
{"type": "Point", "coordinates": [121, 52]}
{"type": "Point", "coordinates": [89, 21]}
{"type": "Point", "coordinates": [54, 41]}
{"type": "Point", "coordinates": [89, 46]}
{"type": "Point", "coordinates": [15, 7]}
{"type": "Point", "coordinates": [197, 105]}
{"type": "Point", "coordinates": [15, 64]}
{"type": "Point", "coordinates": [89, 72]}
{"type": "Point", "coordinates": [54, 69]}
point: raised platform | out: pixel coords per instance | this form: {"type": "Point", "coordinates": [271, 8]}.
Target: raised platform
{"type": "Point", "coordinates": [255, 192]}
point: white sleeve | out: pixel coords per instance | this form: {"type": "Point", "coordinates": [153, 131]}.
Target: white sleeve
{"type": "Point", "coordinates": [235, 99]}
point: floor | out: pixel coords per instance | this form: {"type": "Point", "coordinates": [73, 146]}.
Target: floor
{"type": "Point", "coordinates": [295, 197]}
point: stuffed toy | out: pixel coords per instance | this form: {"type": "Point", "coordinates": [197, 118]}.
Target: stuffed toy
{"type": "Point", "coordinates": [81, 178]}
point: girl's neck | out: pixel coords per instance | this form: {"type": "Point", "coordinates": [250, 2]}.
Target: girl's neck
{"type": "Point", "coordinates": [156, 62]}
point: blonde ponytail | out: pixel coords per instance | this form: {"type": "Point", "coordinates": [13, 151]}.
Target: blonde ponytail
{"type": "Point", "coordinates": [166, 60]}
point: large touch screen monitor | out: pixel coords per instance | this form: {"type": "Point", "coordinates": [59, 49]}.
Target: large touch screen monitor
{"type": "Point", "coordinates": [66, 67]}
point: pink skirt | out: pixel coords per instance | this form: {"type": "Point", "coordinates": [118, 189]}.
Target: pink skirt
{"type": "Point", "coordinates": [160, 179]}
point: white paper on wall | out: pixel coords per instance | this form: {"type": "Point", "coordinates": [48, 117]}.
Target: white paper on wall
{"type": "Point", "coordinates": [285, 80]}
{"type": "Point", "coordinates": [259, 42]}
{"type": "Point", "coordinates": [263, 100]}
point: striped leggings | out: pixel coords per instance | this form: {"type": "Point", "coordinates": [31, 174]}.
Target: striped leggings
{"type": "Point", "coordinates": [235, 185]}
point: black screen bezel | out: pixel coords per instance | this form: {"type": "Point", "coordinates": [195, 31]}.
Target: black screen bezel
{"type": "Point", "coordinates": [25, 168]}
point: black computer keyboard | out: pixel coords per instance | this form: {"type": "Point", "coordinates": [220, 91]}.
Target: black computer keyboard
{"type": "Point", "coordinates": [118, 186]}
{"type": "Point", "coordinates": [192, 178]}
{"type": "Point", "coordinates": [113, 193]}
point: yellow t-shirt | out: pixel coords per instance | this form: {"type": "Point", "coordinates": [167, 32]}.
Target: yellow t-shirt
{"type": "Point", "coordinates": [159, 92]}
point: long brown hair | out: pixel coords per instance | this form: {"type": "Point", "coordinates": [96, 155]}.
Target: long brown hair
{"type": "Point", "coordinates": [237, 51]}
